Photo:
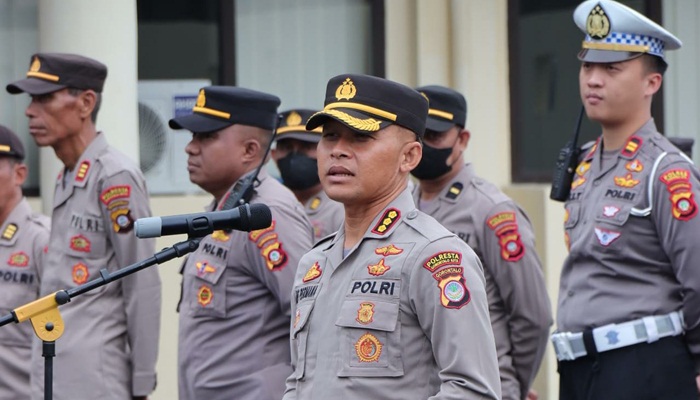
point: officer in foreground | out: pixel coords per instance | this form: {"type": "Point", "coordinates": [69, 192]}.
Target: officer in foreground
{"type": "Point", "coordinates": [295, 157]}
{"type": "Point", "coordinates": [499, 232]}
{"type": "Point", "coordinates": [393, 305]}
{"type": "Point", "coordinates": [233, 340]}
{"type": "Point", "coordinates": [629, 299]}
{"type": "Point", "coordinates": [110, 344]}
{"type": "Point", "coordinates": [23, 239]}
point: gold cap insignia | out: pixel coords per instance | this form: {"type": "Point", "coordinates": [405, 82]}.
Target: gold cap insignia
{"type": "Point", "coordinates": [598, 24]}
{"type": "Point", "coordinates": [201, 100]}
{"type": "Point", "coordinates": [36, 65]}
{"type": "Point", "coordinates": [293, 119]}
{"type": "Point", "coordinates": [346, 90]}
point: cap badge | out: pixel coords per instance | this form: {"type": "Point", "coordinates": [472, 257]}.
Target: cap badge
{"type": "Point", "coordinates": [201, 100]}
{"type": "Point", "coordinates": [293, 119]}
{"type": "Point", "coordinates": [346, 90]}
{"type": "Point", "coordinates": [598, 24]}
{"type": "Point", "coordinates": [36, 65]}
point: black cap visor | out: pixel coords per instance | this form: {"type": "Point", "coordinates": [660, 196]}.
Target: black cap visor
{"type": "Point", "coordinates": [197, 123]}
{"type": "Point", "coordinates": [353, 119]}
{"type": "Point", "coordinates": [438, 124]}
{"type": "Point", "coordinates": [303, 136]}
{"type": "Point", "coordinates": [33, 86]}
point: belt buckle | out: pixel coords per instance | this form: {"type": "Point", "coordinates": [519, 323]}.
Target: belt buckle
{"type": "Point", "coordinates": [562, 346]}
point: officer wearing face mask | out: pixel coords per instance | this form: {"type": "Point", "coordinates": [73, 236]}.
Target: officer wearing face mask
{"type": "Point", "coordinates": [498, 231]}
{"type": "Point", "coordinates": [295, 156]}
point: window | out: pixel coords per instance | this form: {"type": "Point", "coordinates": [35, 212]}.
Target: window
{"type": "Point", "coordinates": [545, 102]}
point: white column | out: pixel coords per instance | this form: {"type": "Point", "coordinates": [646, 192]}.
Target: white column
{"type": "Point", "coordinates": [400, 57]}
{"type": "Point", "coordinates": [434, 42]}
{"type": "Point", "coordinates": [106, 31]}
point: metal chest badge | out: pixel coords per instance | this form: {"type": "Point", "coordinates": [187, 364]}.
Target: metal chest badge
{"type": "Point", "coordinates": [204, 295]}
{"type": "Point", "coordinates": [368, 348]}
{"type": "Point", "coordinates": [80, 273]}
{"type": "Point", "coordinates": [365, 314]}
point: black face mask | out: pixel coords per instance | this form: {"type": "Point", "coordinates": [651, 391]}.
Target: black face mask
{"type": "Point", "coordinates": [433, 164]}
{"type": "Point", "coordinates": [298, 171]}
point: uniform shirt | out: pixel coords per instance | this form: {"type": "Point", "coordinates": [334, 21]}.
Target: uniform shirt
{"type": "Point", "coordinates": [23, 239]}
{"type": "Point", "coordinates": [501, 235]}
{"type": "Point", "coordinates": [109, 347]}
{"type": "Point", "coordinates": [403, 316]}
{"type": "Point", "coordinates": [632, 255]}
{"type": "Point", "coordinates": [326, 215]}
{"type": "Point", "coordinates": [235, 312]}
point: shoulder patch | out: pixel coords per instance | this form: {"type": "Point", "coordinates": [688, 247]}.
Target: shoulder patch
{"type": "Point", "coordinates": [10, 231]}
{"type": "Point", "coordinates": [83, 170]}
{"type": "Point", "coordinates": [387, 221]}
{"type": "Point", "coordinates": [454, 190]}
{"type": "Point", "coordinates": [501, 218]}
{"type": "Point", "coordinates": [453, 287]}
{"type": "Point", "coordinates": [442, 259]}
{"type": "Point", "coordinates": [115, 192]}
{"type": "Point", "coordinates": [512, 248]}
{"type": "Point", "coordinates": [683, 204]}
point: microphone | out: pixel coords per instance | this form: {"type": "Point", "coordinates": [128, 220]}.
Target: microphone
{"type": "Point", "coordinates": [247, 217]}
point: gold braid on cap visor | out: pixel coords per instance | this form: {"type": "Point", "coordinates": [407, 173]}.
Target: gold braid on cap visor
{"type": "Point", "coordinates": [369, 124]}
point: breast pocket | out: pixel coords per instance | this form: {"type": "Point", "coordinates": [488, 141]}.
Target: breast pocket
{"type": "Point", "coordinates": [610, 230]}
{"type": "Point", "coordinates": [300, 334]}
{"type": "Point", "coordinates": [207, 289]}
{"type": "Point", "coordinates": [370, 338]}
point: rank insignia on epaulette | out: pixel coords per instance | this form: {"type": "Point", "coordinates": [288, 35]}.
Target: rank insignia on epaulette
{"type": "Point", "coordinates": [312, 273]}
{"type": "Point", "coordinates": [368, 348]}
{"type": "Point", "coordinates": [632, 146]}
{"type": "Point", "coordinates": [82, 171]}
{"type": "Point", "coordinates": [10, 231]}
{"type": "Point", "coordinates": [19, 259]}
{"type": "Point", "coordinates": [378, 269]}
{"type": "Point", "coordinates": [583, 168]}
{"type": "Point", "coordinates": [204, 295]}
{"type": "Point", "coordinates": [386, 221]}
{"type": "Point", "coordinates": [80, 243]}
{"type": "Point", "coordinates": [366, 313]}
{"type": "Point", "coordinates": [454, 190]}
{"type": "Point", "coordinates": [389, 250]}
{"type": "Point", "coordinates": [80, 273]}
{"type": "Point", "coordinates": [315, 203]}
{"type": "Point", "coordinates": [453, 287]}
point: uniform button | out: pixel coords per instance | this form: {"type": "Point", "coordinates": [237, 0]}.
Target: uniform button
{"type": "Point", "coordinates": [596, 183]}
{"type": "Point", "coordinates": [412, 214]}
{"type": "Point", "coordinates": [570, 293]}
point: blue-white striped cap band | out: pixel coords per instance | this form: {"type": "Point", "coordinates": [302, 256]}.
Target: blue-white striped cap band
{"type": "Point", "coordinates": [617, 41]}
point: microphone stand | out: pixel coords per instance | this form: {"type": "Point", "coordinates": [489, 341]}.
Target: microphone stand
{"type": "Point", "coordinates": [46, 319]}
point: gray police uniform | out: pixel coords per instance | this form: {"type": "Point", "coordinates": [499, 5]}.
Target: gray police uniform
{"type": "Point", "coordinates": [326, 215]}
{"type": "Point", "coordinates": [632, 228]}
{"type": "Point", "coordinates": [235, 306]}
{"type": "Point", "coordinates": [23, 240]}
{"type": "Point", "coordinates": [501, 235]}
{"type": "Point", "coordinates": [110, 343]}
{"type": "Point", "coordinates": [403, 315]}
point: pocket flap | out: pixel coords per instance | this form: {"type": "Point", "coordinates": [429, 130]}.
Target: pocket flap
{"type": "Point", "coordinates": [301, 316]}
{"type": "Point", "coordinates": [614, 214]}
{"type": "Point", "coordinates": [369, 314]}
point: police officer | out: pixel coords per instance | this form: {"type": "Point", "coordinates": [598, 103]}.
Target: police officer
{"type": "Point", "coordinates": [23, 239]}
{"type": "Point", "coordinates": [499, 232]}
{"type": "Point", "coordinates": [629, 299]}
{"type": "Point", "coordinates": [110, 344]}
{"type": "Point", "coordinates": [393, 305]}
{"type": "Point", "coordinates": [295, 156]}
{"type": "Point", "coordinates": [235, 306]}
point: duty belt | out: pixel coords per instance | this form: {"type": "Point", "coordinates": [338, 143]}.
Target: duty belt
{"type": "Point", "coordinates": [570, 346]}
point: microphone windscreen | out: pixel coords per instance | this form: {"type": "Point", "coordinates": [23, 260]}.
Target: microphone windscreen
{"type": "Point", "coordinates": [260, 216]}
